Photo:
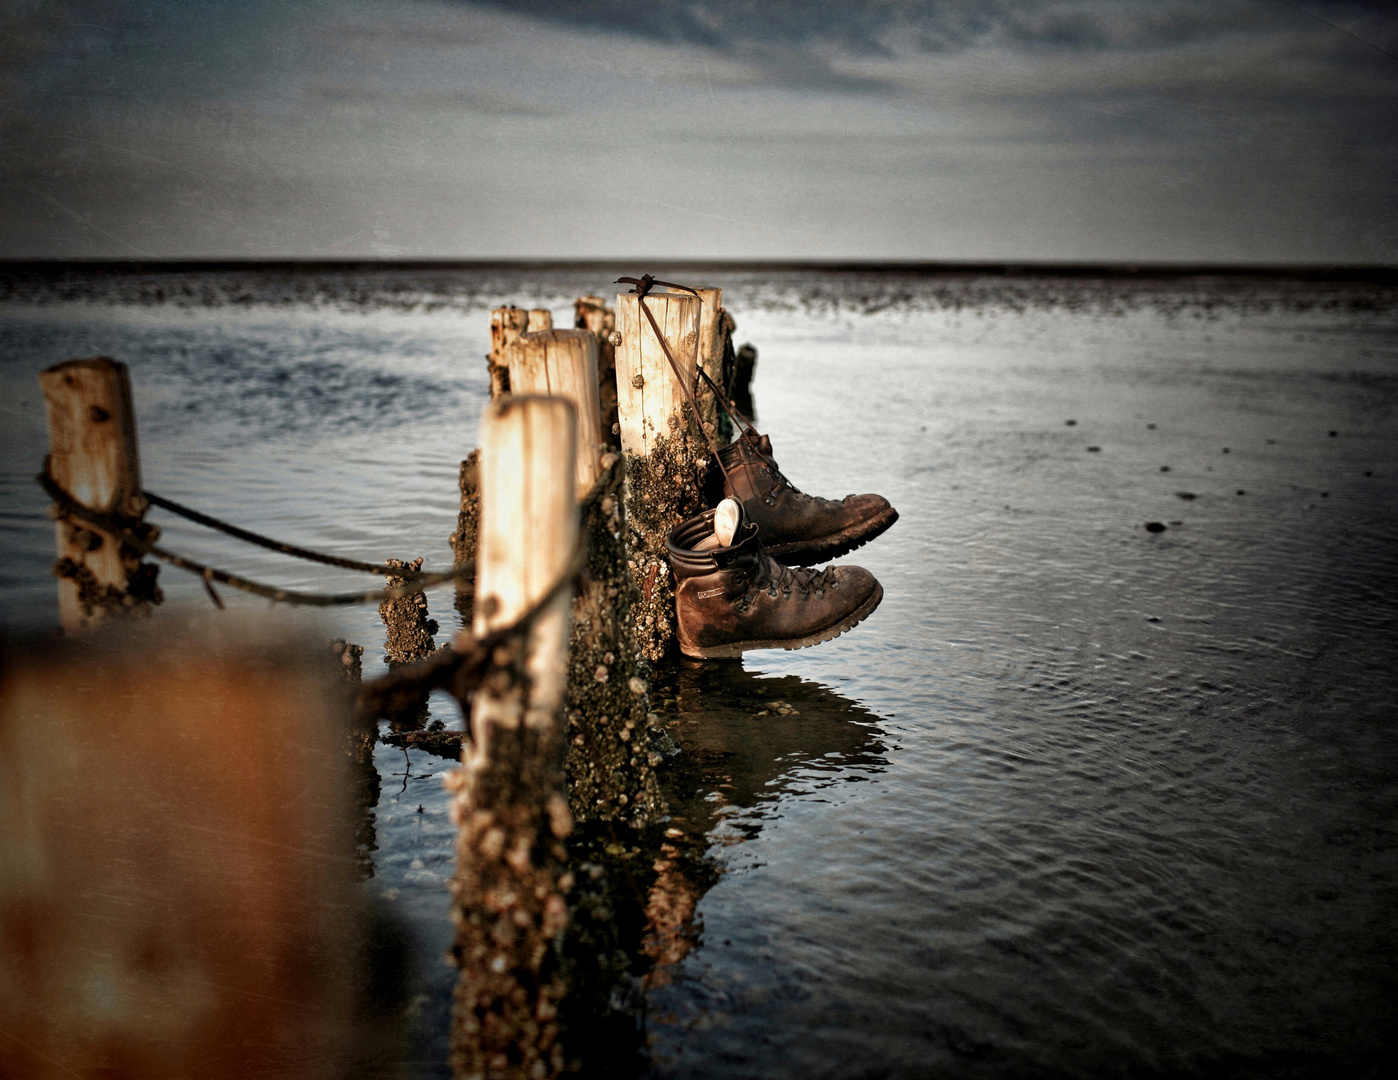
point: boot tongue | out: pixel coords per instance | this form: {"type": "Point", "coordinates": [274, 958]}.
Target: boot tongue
{"type": "Point", "coordinates": [744, 546]}
{"type": "Point", "coordinates": [728, 519]}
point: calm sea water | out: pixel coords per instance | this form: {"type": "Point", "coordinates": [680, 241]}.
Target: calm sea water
{"type": "Point", "coordinates": [1078, 799]}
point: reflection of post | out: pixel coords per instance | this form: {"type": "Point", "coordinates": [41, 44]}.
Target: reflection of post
{"type": "Point", "coordinates": [609, 766]}
{"type": "Point", "coordinates": [665, 456]}
{"type": "Point", "coordinates": [592, 313]}
{"type": "Point", "coordinates": [93, 456]}
{"type": "Point", "coordinates": [508, 801]}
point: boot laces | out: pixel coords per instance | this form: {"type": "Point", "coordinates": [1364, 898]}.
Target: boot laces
{"type": "Point", "coordinates": [769, 466]}
{"type": "Point", "coordinates": [778, 578]}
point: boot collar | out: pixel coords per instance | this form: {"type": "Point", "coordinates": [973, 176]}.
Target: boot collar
{"type": "Point", "coordinates": [686, 562]}
{"type": "Point", "coordinates": [747, 448]}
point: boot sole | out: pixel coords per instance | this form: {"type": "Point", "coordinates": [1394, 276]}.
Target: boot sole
{"type": "Point", "coordinates": [736, 649]}
{"type": "Point", "coordinates": [808, 552]}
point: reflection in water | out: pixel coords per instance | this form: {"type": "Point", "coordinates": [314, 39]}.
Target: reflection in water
{"type": "Point", "coordinates": [746, 742]}
{"type": "Point", "coordinates": [745, 739]}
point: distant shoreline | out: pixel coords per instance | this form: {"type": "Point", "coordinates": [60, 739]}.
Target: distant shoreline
{"type": "Point", "coordinates": [1376, 274]}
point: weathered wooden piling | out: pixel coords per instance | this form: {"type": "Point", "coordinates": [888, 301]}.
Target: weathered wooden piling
{"type": "Point", "coordinates": [409, 629]}
{"type": "Point", "coordinates": [93, 455]}
{"type": "Point", "coordinates": [508, 800]}
{"type": "Point", "coordinates": [665, 454]}
{"type": "Point", "coordinates": [506, 324]}
{"type": "Point", "coordinates": [610, 760]}
{"type": "Point", "coordinates": [463, 539]}
{"type": "Point", "coordinates": [563, 363]}
{"type": "Point", "coordinates": [408, 632]}
{"type": "Point", "coordinates": [592, 313]}
{"type": "Point", "coordinates": [711, 339]}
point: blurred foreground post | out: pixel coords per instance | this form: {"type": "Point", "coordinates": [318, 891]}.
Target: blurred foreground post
{"type": "Point", "coordinates": [610, 770]}
{"type": "Point", "coordinates": [665, 454]}
{"type": "Point", "coordinates": [94, 457]}
{"type": "Point", "coordinates": [177, 857]}
{"type": "Point", "coordinates": [508, 795]}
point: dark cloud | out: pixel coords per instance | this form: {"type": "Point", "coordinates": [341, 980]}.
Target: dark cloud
{"type": "Point", "coordinates": [801, 45]}
{"type": "Point", "coordinates": [1176, 129]}
{"type": "Point", "coordinates": [887, 26]}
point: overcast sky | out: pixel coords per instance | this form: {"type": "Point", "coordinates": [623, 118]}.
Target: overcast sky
{"type": "Point", "coordinates": [1121, 130]}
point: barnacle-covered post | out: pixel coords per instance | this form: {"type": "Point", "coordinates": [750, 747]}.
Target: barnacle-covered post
{"type": "Point", "coordinates": [93, 456]}
{"type": "Point", "coordinates": [409, 631]}
{"type": "Point", "coordinates": [665, 454]}
{"type": "Point", "coordinates": [610, 762]}
{"type": "Point", "coordinates": [506, 324]}
{"type": "Point", "coordinates": [463, 537]}
{"type": "Point", "coordinates": [508, 800]}
{"type": "Point", "coordinates": [405, 618]}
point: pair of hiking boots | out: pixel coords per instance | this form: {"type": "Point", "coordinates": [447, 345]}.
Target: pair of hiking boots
{"type": "Point", "coordinates": [743, 571]}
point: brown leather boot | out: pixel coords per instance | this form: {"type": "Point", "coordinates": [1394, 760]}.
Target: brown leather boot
{"type": "Point", "coordinates": [733, 598]}
{"type": "Point", "coordinates": [796, 528]}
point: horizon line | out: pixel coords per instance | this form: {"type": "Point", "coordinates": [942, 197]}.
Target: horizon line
{"type": "Point", "coordinates": [1374, 273]}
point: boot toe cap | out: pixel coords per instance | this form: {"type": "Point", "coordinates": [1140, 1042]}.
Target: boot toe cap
{"type": "Point", "coordinates": [856, 584]}
{"type": "Point", "coordinates": [867, 506]}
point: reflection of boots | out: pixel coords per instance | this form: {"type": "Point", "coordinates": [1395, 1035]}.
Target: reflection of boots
{"type": "Point", "coordinates": [797, 528]}
{"type": "Point", "coordinates": [733, 597]}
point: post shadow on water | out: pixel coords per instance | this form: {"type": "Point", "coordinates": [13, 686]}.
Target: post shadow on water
{"type": "Point", "coordinates": [743, 738]}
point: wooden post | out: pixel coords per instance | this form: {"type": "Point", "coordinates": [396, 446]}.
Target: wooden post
{"type": "Point", "coordinates": [610, 761]}
{"type": "Point", "coordinates": [507, 800]}
{"type": "Point", "coordinates": [178, 895]}
{"type": "Point", "coordinates": [506, 324]}
{"type": "Point", "coordinates": [592, 313]}
{"type": "Point", "coordinates": [563, 363]}
{"type": "Point", "coordinates": [405, 618]}
{"type": "Point", "coordinates": [710, 356]}
{"type": "Point", "coordinates": [463, 539]}
{"type": "Point", "coordinates": [665, 455]}
{"type": "Point", "coordinates": [93, 456]}
{"type": "Point", "coordinates": [540, 319]}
